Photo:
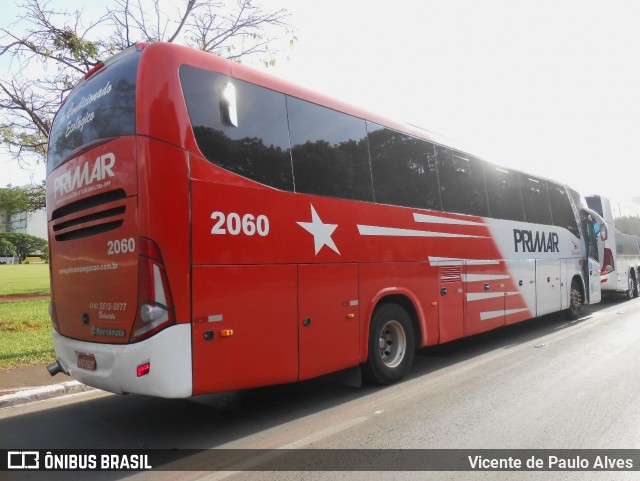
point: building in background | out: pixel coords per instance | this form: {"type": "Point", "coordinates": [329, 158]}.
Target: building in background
{"type": "Point", "coordinates": [32, 223]}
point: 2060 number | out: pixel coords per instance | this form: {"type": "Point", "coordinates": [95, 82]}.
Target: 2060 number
{"type": "Point", "coordinates": [235, 224]}
{"type": "Point", "coordinates": [121, 246]}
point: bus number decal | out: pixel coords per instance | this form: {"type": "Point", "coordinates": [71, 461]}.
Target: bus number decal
{"type": "Point", "coordinates": [235, 224]}
{"type": "Point", "coordinates": [121, 246]}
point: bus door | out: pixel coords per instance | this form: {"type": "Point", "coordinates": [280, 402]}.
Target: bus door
{"type": "Point", "coordinates": [328, 318]}
{"type": "Point", "coordinates": [594, 245]}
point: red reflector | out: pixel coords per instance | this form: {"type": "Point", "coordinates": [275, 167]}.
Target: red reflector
{"type": "Point", "coordinates": [93, 70]}
{"type": "Point", "coordinates": [143, 369]}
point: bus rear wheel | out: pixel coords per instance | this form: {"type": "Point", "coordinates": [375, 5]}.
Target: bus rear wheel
{"type": "Point", "coordinates": [391, 345]}
{"type": "Point", "coordinates": [632, 289]}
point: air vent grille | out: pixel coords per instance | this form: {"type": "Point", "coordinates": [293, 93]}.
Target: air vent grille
{"type": "Point", "coordinates": [449, 274]}
{"type": "Point", "coordinates": [89, 216]}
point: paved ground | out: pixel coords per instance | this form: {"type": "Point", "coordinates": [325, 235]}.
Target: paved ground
{"type": "Point", "coordinates": [17, 378]}
{"type": "Point", "coordinates": [21, 385]}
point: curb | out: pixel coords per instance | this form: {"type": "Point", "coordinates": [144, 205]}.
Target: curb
{"type": "Point", "coordinates": [41, 393]}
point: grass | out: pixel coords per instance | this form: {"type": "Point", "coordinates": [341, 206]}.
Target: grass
{"type": "Point", "coordinates": [25, 331]}
{"type": "Point", "coordinates": [25, 326]}
{"type": "Point", "coordinates": [24, 279]}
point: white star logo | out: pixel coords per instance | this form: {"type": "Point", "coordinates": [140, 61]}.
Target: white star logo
{"type": "Point", "coordinates": [320, 231]}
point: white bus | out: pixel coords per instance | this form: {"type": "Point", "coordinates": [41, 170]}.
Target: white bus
{"type": "Point", "coordinates": [621, 259]}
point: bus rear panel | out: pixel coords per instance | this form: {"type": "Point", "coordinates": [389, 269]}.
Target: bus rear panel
{"type": "Point", "coordinates": [114, 314]}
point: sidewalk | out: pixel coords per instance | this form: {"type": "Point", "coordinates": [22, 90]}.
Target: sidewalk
{"type": "Point", "coordinates": [20, 385]}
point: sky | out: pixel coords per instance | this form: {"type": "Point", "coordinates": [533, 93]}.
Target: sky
{"type": "Point", "coordinates": [550, 87]}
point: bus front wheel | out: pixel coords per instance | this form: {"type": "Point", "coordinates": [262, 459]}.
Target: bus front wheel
{"type": "Point", "coordinates": [391, 345]}
{"type": "Point", "coordinates": [575, 302]}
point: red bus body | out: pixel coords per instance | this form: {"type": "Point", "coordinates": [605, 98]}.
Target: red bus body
{"type": "Point", "coordinates": [250, 285]}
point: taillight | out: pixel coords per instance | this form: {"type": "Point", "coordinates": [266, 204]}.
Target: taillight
{"type": "Point", "coordinates": [155, 304]}
{"type": "Point", "coordinates": [607, 262]}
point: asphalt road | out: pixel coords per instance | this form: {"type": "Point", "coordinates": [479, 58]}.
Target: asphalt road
{"type": "Point", "coordinates": [546, 383]}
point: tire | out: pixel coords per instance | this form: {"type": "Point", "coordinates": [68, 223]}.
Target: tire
{"type": "Point", "coordinates": [575, 302]}
{"type": "Point", "coordinates": [631, 291]}
{"type": "Point", "coordinates": [391, 345]}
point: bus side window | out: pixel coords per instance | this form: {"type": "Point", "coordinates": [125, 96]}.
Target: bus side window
{"type": "Point", "coordinates": [462, 185]}
{"type": "Point", "coordinates": [536, 200]}
{"type": "Point", "coordinates": [592, 239]}
{"type": "Point", "coordinates": [597, 230]}
{"type": "Point", "coordinates": [403, 168]}
{"type": "Point", "coordinates": [561, 210]}
{"type": "Point", "coordinates": [505, 196]}
{"type": "Point", "coordinates": [329, 151]}
{"type": "Point", "coordinates": [239, 126]}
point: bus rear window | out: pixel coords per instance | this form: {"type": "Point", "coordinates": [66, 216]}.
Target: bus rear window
{"type": "Point", "coordinates": [102, 107]}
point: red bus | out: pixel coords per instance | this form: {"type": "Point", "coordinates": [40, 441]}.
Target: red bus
{"type": "Point", "coordinates": [213, 228]}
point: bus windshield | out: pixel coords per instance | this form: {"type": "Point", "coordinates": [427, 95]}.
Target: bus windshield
{"type": "Point", "coordinates": [101, 107]}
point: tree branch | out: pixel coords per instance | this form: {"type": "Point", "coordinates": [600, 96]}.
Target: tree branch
{"type": "Point", "coordinates": [47, 49]}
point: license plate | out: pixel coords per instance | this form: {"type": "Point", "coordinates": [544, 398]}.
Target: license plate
{"type": "Point", "coordinates": [87, 361]}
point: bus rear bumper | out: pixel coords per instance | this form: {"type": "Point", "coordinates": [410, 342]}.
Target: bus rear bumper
{"type": "Point", "coordinates": [168, 353]}
{"type": "Point", "coordinates": [610, 282]}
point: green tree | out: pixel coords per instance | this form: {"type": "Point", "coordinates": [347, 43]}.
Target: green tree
{"type": "Point", "coordinates": [628, 224]}
{"type": "Point", "coordinates": [26, 244]}
{"type": "Point", "coordinates": [6, 248]}
{"type": "Point", "coordinates": [64, 45]}
{"type": "Point", "coordinates": [14, 200]}
{"type": "Point", "coordinates": [22, 199]}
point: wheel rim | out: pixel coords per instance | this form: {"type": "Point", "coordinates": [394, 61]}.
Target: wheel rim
{"type": "Point", "coordinates": [392, 344]}
{"type": "Point", "coordinates": [632, 287]}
